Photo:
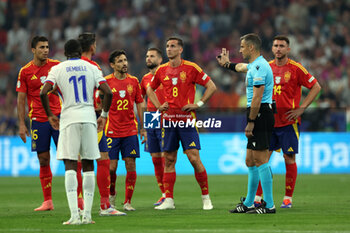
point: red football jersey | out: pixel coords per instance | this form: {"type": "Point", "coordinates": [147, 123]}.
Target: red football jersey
{"type": "Point", "coordinates": [179, 87]}
{"type": "Point", "coordinates": [121, 121]}
{"type": "Point", "coordinates": [288, 80]}
{"type": "Point", "coordinates": [97, 100]}
{"type": "Point", "coordinates": [145, 82]}
{"type": "Point", "coordinates": [30, 81]}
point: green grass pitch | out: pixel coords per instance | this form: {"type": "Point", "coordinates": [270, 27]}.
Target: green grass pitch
{"type": "Point", "coordinates": [321, 203]}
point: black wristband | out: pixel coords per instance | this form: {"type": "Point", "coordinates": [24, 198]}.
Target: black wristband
{"type": "Point", "coordinates": [251, 120]}
{"type": "Point", "coordinates": [232, 66]}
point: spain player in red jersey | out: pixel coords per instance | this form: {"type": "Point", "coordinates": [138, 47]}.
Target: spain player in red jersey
{"type": "Point", "coordinates": [154, 136]}
{"type": "Point", "coordinates": [30, 81]}
{"type": "Point", "coordinates": [88, 44]}
{"type": "Point", "coordinates": [179, 78]}
{"type": "Point", "coordinates": [289, 77]}
{"type": "Point", "coordinates": [121, 127]}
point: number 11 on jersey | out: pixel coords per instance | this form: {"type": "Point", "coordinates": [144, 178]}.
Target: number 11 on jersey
{"type": "Point", "coordinates": [82, 80]}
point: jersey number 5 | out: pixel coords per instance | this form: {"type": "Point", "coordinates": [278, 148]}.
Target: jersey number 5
{"type": "Point", "coordinates": [75, 82]}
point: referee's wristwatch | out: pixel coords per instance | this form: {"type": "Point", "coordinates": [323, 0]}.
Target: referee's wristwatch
{"type": "Point", "coordinates": [251, 120]}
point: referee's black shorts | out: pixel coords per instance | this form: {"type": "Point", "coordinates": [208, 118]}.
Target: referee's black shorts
{"type": "Point", "coordinates": [263, 127]}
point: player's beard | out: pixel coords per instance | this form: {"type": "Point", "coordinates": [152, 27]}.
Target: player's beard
{"type": "Point", "coordinates": [281, 57]}
{"type": "Point", "coordinates": [151, 66]}
{"type": "Point", "coordinates": [123, 70]}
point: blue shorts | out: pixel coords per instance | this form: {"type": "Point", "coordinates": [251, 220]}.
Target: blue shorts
{"type": "Point", "coordinates": [154, 141]}
{"type": "Point", "coordinates": [128, 146]}
{"type": "Point", "coordinates": [188, 136]}
{"type": "Point", "coordinates": [285, 138]}
{"type": "Point", "coordinates": [41, 133]}
{"type": "Point", "coordinates": [102, 141]}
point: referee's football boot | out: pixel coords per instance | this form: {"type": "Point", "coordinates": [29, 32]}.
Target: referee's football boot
{"type": "Point", "coordinates": [263, 210]}
{"type": "Point", "coordinates": [241, 208]}
{"type": "Point", "coordinates": [259, 203]}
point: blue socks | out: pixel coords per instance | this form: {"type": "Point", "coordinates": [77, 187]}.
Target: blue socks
{"type": "Point", "coordinates": [265, 175]}
{"type": "Point", "coordinates": [253, 181]}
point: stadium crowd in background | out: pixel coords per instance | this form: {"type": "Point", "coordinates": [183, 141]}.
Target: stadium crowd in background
{"type": "Point", "coordinates": [318, 30]}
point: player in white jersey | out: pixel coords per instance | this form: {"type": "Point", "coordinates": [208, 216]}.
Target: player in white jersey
{"type": "Point", "coordinates": [76, 80]}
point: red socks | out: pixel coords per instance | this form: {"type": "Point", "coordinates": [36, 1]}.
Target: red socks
{"type": "Point", "coordinates": [158, 163]}
{"type": "Point", "coordinates": [80, 181]}
{"type": "Point", "coordinates": [113, 177]}
{"type": "Point", "coordinates": [169, 182]}
{"type": "Point", "coordinates": [103, 182]}
{"type": "Point", "coordinates": [291, 177]}
{"type": "Point", "coordinates": [130, 182]}
{"type": "Point", "coordinates": [202, 180]}
{"type": "Point", "coordinates": [259, 191]}
{"type": "Point", "coordinates": [46, 182]}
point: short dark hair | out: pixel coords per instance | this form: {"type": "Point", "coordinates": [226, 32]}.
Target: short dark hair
{"type": "Point", "coordinates": [86, 39]}
{"type": "Point", "coordinates": [159, 52]}
{"type": "Point", "coordinates": [253, 39]}
{"type": "Point", "coordinates": [114, 54]}
{"type": "Point", "coordinates": [281, 37]}
{"type": "Point", "coordinates": [72, 49]}
{"type": "Point", "coordinates": [179, 41]}
{"type": "Point", "coordinates": [36, 39]}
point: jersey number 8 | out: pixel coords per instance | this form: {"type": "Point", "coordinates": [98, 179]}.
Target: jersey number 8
{"type": "Point", "coordinates": [175, 92]}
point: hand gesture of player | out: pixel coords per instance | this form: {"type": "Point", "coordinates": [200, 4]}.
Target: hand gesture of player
{"type": "Point", "coordinates": [23, 132]}
{"type": "Point", "coordinates": [101, 121]}
{"type": "Point", "coordinates": [143, 135]}
{"type": "Point", "coordinates": [54, 122]}
{"type": "Point", "coordinates": [294, 113]}
{"type": "Point", "coordinates": [164, 107]}
{"type": "Point", "coordinates": [190, 107]}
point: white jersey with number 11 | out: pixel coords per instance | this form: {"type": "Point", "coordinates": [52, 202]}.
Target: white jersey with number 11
{"type": "Point", "coordinates": [76, 80]}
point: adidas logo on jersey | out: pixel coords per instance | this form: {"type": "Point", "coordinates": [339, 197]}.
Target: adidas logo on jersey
{"type": "Point", "coordinates": [166, 78]}
{"type": "Point", "coordinates": [133, 152]}
{"type": "Point", "coordinates": [290, 149]}
{"type": "Point", "coordinates": [34, 77]}
{"type": "Point", "coordinates": [114, 90]}
{"type": "Point", "coordinates": [193, 144]}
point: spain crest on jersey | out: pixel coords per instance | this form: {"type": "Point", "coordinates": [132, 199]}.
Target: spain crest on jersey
{"type": "Point", "coordinates": [129, 88]}
{"type": "Point", "coordinates": [174, 81]}
{"type": "Point", "coordinates": [287, 76]}
{"type": "Point", "coordinates": [122, 93]}
{"type": "Point", "coordinates": [183, 76]}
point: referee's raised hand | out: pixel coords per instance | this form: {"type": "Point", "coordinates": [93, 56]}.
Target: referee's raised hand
{"type": "Point", "coordinates": [224, 57]}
